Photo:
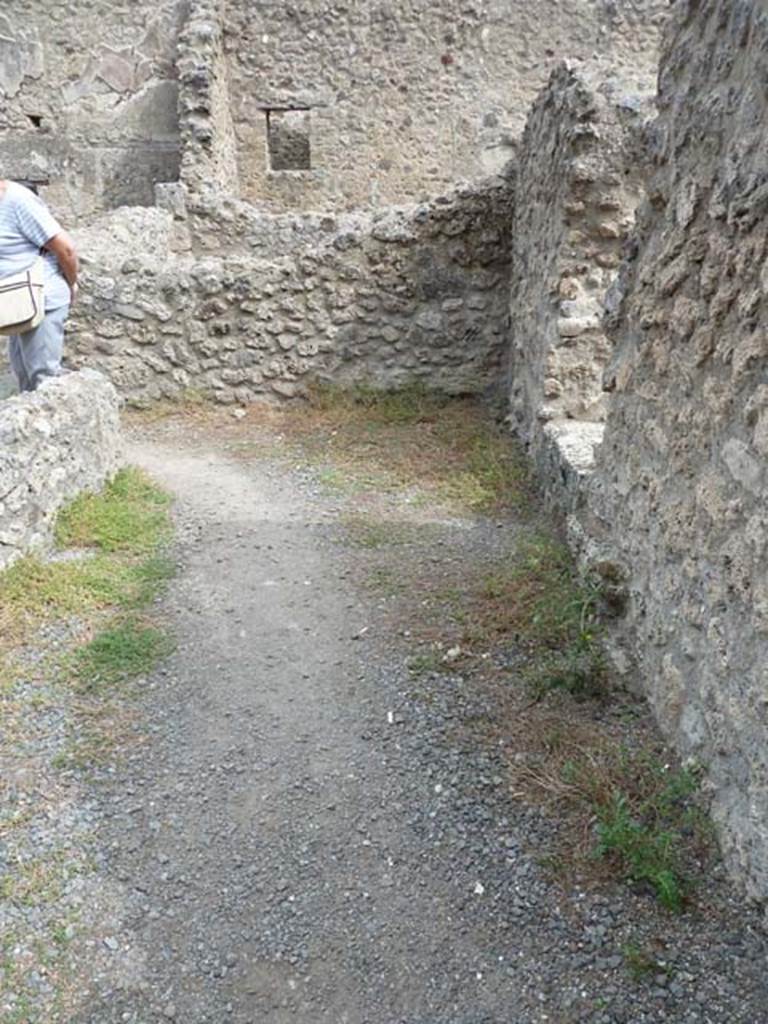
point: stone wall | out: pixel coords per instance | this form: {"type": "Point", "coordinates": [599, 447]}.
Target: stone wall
{"type": "Point", "coordinates": [405, 99]}
{"type": "Point", "coordinates": [88, 100]}
{"type": "Point", "coordinates": [579, 182]}
{"type": "Point", "coordinates": [680, 489]}
{"type": "Point", "coordinates": [103, 99]}
{"type": "Point", "coordinates": [672, 511]}
{"type": "Point", "coordinates": [411, 294]}
{"type": "Point", "coordinates": [61, 439]}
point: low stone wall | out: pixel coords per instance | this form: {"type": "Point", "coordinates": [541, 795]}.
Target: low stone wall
{"type": "Point", "coordinates": [412, 294]}
{"type": "Point", "coordinates": [55, 442]}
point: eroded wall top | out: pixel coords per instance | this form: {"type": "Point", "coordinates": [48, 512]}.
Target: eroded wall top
{"type": "Point", "coordinates": [400, 100]}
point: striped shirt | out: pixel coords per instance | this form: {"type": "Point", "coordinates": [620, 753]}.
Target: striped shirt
{"type": "Point", "coordinates": [26, 224]}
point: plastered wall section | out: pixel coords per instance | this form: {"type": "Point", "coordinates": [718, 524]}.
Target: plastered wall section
{"type": "Point", "coordinates": [405, 99]}
{"type": "Point", "coordinates": [579, 182]}
{"type": "Point", "coordinates": [411, 294]}
{"type": "Point", "coordinates": [680, 491]}
{"type": "Point", "coordinates": [55, 442]}
{"type": "Point", "coordinates": [88, 100]}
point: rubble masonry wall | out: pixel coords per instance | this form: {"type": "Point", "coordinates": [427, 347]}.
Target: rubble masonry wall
{"type": "Point", "coordinates": [417, 294]}
{"type": "Point", "coordinates": [680, 488]}
{"type": "Point", "coordinates": [54, 442]}
{"type": "Point", "coordinates": [406, 99]}
{"type": "Point", "coordinates": [673, 507]}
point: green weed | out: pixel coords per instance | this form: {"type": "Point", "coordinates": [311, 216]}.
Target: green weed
{"type": "Point", "coordinates": [648, 852]}
{"type": "Point", "coordinates": [646, 832]}
{"type": "Point", "coordinates": [128, 649]}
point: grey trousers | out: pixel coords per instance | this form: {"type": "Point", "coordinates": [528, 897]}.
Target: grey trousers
{"type": "Point", "coordinates": [36, 354]}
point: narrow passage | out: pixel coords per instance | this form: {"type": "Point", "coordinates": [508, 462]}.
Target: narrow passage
{"type": "Point", "coordinates": [307, 834]}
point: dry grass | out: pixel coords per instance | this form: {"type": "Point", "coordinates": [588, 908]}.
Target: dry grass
{"type": "Point", "coordinates": [447, 450]}
{"type": "Point", "coordinates": [99, 727]}
{"type": "Point", "coordinates": [528, 599]}
{"type": "Point", "coordinates": [450, 449]}
{"type": "Point", "coordinates": [626, 808]}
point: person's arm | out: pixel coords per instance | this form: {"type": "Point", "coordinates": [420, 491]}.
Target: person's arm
{"type": "Point", "coordinates": [63, 248]}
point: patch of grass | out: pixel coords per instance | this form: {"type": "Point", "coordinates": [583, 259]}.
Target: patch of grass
{"type": "Point", "coordinates": [556, 613]}
{"type": "Point", "coordinates": [32, 591]}
{"type": "Point", "coordinates": [38, 882]}
{"type": "Point", "coordinates": [127, 649]}
{"type": "Point", "coordinates": [336, 480]}
{"type": "Point", "coordinates": [130, 514]}
{"type": "Point", "coordinates": [407, 405]}
{"type": "Point", "coordinates": [494, 473]}
{"type": "Point", "coordinates": [532, 601]}
{"type": "Point", "coordinates": [125, 527]}
{"type": "Point", "coordinates": [543, 590]}
{"type": "Point", "coordinates": [364, 531]}
{"type": "Point", "coordinates": [447, 449]}
{"type": "Point", "coordinates": [149, 576]}
{"type": "Point", "coordinates": [385, 580]}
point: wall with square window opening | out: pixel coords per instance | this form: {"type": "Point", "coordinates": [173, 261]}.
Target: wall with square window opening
{"type": "Point", "coordinates": [288, 140]}
{"type": "Point", "coordinates": [406, 98]}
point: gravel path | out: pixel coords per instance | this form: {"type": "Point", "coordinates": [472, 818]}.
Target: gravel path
{"type": "Point", "coordinates": [302, 840]}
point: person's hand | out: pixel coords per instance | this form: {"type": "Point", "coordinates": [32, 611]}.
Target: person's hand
{"type": "Point", "coordinates": [73, 290]}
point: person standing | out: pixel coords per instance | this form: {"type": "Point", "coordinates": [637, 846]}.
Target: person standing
{"type": "Point", "coordinates": [27, 230]}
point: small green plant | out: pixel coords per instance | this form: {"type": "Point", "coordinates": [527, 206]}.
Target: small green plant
{"type": "Point", "coordinates": [644, 833]}
{"type": "Point", "coordinates": [648, 853]}
{"type": "Point", "coordinates": [127, 649]}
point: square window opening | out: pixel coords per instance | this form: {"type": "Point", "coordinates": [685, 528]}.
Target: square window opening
{"type": "Point", "coordinates": [288, 140]}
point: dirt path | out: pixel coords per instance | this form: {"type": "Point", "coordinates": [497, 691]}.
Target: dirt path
{"type": "Point", "coordinates": [301, 838]}
{"type": "Point", "coordinates": [273, 836]}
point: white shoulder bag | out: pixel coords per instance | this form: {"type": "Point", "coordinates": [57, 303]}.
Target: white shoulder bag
{"type": "Point", "coordinates": [22, 304]}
